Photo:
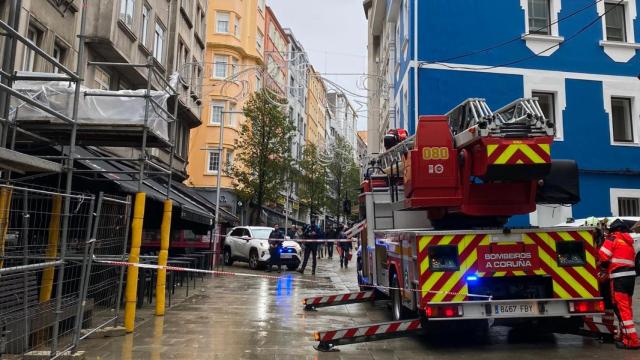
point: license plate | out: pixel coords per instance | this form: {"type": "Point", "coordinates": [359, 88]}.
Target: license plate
{"type": "Point", "coordinates": [286, 256]}
{"type": "Point", "coordinates": [516, 309]}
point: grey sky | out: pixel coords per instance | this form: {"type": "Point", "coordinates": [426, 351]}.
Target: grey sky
{"type": "Point", "coordinates": [334, 34]}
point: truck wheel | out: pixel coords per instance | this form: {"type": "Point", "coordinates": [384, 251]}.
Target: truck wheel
{"type": "Point", "coordinates": [253, 260]}
{"type": "Point", "coordinates": [398, 310]}
{"type": "Point", "coordinates": [228, 260]}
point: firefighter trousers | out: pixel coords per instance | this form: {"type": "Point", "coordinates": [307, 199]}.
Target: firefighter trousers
{"type": "Point", "coordinates": [622, 290]}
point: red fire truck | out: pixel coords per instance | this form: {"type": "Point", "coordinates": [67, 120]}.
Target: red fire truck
{"type": "Point", "coordinates": [435, 242]}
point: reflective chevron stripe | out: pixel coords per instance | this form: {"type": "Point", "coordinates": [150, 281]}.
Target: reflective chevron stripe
{"type": "Point", "coordinates": [513, 154]}
{"type": "Point", "coordinates": [568, 282]}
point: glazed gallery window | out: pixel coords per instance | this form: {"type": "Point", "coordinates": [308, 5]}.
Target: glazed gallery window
{"type": "Point", "coordinates": [540, 17]}
{"type": "Point", "coordinates": [621, 120]}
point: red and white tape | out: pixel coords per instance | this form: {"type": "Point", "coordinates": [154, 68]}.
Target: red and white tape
{"type": "Point", "coordinates": [212, 272]}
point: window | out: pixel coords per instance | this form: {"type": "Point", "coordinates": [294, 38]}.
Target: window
{"type": "Point", "coordinates": [34, 36]}
{"type": "Point", "coordinates": [259, 41]}
{"type": "Point", "coordinates": [146, 11]}
{"type": "Point", "coordinates": [615, 22]}
{"type": "Point", "coordinates": [223, 22]}
{"type": "Point", "coordinates": [540, 17]}
{"type": "Point", "coordinates": [622, 122]}
{"type": "Point", "coordinates": [203, 23]}
{"type": "Point", "coordinates": [158, 43]}
{"type": "Point", "coordinates": [103, 80]}
{"type": "Point", "coordinates": [234, 66]}
{"type": "Point", "coordinates": [547, 103]}
{"type": "Point", "coordinates": [625, 202]}
{"type": "Point", "coordinates": [261, 5]}
{"type": "Point", "coordinates": [232, 117]}
{"type": "Point", "coordinates": [220, 66]}
{"type": "Point", "coordinates": [126, 11]}
{"type": "Point", "coordinates": [236, 27]}
{"type": "Point", "coordinates": [229, 160]}
{"type": "Point", "coordinates": [405, 11]}
{"type": "Point", "coordinates": [213, 161]}
{"type": "Point", "coordinates": [217, 107]}
{"type": "Point", "coordinates": [628, 206]}
{"type": "Point", "coordinates": [258, 82]}
{"type": "Point", "coordinates": [59, 53]}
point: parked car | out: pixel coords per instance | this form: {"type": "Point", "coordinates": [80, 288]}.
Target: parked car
{"type": "Point", "coordinates": [250, 244]}
{"type": "Point", "coordinates": [629, 220]}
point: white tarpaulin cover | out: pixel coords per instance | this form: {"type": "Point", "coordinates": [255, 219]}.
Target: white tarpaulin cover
{"type": "Point", "coordinates": [100, 110]}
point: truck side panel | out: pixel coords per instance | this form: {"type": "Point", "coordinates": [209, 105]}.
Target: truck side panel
{"type": "Point", "coordinates": [567, 282]}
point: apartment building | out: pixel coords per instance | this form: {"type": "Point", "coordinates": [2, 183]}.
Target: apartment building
{"type": "Point", "coordinates": [276, 45]}
{"type": "Point", "coordinates": [235, 50]}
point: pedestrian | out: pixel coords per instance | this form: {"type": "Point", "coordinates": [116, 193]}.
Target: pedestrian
{"type": "Point", "coordinates": [291, 232]}
{"type": "Point", "coordinates": [312, 232]}
{"type": "Point", "coordinates": [346, 247]}
{"type": "Point", "coordinates": [331, 236]}
{"type": "Point", "coordinates": [618, 252]}
{"type": "Point", "coordinates": [275, 246]}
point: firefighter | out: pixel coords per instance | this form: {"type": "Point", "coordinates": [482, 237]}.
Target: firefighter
{"type": "Point", "coordinates": [618, 252]}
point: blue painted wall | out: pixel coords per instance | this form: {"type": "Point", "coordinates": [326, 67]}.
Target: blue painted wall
{"type": "Point", "coordinates": [448, 29]}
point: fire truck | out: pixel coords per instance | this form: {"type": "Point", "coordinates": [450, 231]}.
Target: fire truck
{"type": "Point", "coordinates": [435, 242]}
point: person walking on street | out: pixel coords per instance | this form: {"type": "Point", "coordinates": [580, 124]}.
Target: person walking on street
{"type": "Point", "coordinates": [275, 246]}
{"type": "Point", "coordinates": [329, 243]}
{"type": "Point", "coordinates": [346, 247]}
{"type": "Point", "coordinates": [312, 232]}
{"type": "Point", "coordinates": [618, 252]}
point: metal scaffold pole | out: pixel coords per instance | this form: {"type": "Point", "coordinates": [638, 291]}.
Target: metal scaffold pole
{"type": "Point", "coordinates": [69, 175]}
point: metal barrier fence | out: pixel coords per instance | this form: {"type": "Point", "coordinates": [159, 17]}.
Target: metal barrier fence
{"type": "Point", "coordinates": [45, 267]}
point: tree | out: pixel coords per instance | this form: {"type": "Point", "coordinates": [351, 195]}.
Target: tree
{"type": "Point", "coordinates": [264, 156]}
{"type": "Point", "coordinates": [313, 180]}
{"type": "Point", "coordinates": [344, 176]}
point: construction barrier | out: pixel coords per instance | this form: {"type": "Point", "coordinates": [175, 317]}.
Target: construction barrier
{"type": "Point", "coordinates": [165, 230]}
{"type": "Point", "coordinates": [327, 340]}
{"type": "Point", "coordinates": [131, 291]}
{"type": "Point", "coordinates": [342, 299]}
{"type": "Point", "coordinates": [52, 248]}
{"type": "Point", "coordinates": [5, 202]}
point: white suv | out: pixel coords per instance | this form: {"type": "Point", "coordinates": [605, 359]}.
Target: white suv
{"type": "Point", "coordinates": [250, 244]}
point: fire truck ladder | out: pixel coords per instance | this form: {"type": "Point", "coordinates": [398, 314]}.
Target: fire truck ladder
{"type": "Point", "coordinates": [521, 118]}
{"type": "Point", "coordinates": [468, 114]}
{"type": "Point", "coordinates": [312, 303]}
{"type": "Point", "coordinates": [327, 340]}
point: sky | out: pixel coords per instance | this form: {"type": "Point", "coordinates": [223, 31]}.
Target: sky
{"type": "Point", "coordinates": [334, 34]}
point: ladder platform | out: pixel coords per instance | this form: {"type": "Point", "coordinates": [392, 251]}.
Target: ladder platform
{"type": "Point", "coordinates": [327, 340]}
{"type": "Point", "coordinates": [340, 299]}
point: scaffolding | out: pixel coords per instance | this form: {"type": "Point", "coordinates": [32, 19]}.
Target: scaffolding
{"type": "Point", "coordinates": [67, 246]}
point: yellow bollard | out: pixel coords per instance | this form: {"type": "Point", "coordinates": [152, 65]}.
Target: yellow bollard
{"type": "Point", "coordinates": [131, 292]}
{"type": "Point", "coordinates": [165, 230]}
{"type": "Point", "coordinates": [5, 206]}
{"type": "Point", "coordinates": [52, 248]}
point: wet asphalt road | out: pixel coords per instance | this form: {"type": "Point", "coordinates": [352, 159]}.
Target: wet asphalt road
{"type": "Point", "coordinates": [252, 318]}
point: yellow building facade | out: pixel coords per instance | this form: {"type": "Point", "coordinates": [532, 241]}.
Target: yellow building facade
{"type": "Point", "coordinates": [234, 57]}
{"type": "Point", "coordinates": [316, 109]}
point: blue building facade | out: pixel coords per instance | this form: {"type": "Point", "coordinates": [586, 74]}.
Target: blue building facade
{"type": "Point", "coordinates": [578, 56]}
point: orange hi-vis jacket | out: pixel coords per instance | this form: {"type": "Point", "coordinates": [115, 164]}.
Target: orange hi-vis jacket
{"type": "Point", "coordinates": [618, 251]}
